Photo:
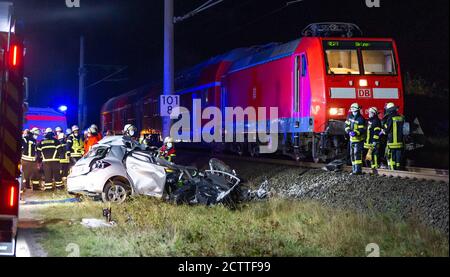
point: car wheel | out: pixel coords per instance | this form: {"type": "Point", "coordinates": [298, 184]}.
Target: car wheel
{"type": "Point", "coordinates": [115, 192]}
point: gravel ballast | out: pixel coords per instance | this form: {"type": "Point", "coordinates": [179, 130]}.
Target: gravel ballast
{"type": "Point", "coordinates": [425, 201]}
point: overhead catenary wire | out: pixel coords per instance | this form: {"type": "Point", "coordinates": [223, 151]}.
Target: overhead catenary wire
{"type": "Point", "coordinates": [207, 5]}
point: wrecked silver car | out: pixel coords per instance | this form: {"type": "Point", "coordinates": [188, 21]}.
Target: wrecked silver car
{"type": "Point", "coordinates": [113, 170]}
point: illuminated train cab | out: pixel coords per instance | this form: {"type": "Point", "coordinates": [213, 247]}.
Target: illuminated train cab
{"type": "Point", "coordinates": [312, 81]}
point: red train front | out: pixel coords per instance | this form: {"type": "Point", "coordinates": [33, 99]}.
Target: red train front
{"type": "Point", "coordinates": [312, 81]}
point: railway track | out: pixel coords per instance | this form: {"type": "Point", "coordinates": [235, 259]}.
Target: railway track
{"type": "Point", "coordinates": [413, 173]}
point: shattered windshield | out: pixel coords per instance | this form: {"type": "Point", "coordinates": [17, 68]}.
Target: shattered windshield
{"type": "Point", "coordinates": [98, 152]}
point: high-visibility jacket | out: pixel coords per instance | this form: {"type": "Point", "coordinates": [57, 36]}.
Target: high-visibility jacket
{"type": "Point", "coordinates": [29, 149]}
{"type": "Point", "coordinates": [50, 150]}
{"type": "Point", "coordinates": [91, 141]}
{"type": "Point", "coordinates": [65, 159]}
{"type": "Point", "coordinates": [168, 154]}
{"type": "Point", "coordinates": [373, 132]}
{"type": "Point", "coordinates": [75, 146]}
{"type": "Point", "coordinates": [356, 124]}
{"type": "Point", "coordinates": [393, 128]}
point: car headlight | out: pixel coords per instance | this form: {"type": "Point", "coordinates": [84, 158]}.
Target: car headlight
{"type": "Point", "coordinates": [100, 165]}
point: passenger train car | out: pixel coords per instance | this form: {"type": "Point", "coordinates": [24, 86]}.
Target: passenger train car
{"type": "Point", "coordinates": [312, 81]}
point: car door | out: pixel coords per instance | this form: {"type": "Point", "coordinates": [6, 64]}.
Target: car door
{"type": "Point", "coordinates": [148, 178]}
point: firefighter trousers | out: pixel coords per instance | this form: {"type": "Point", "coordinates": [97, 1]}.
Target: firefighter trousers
{"type": "Point", "coordinates": [30, 175]}
{"type": "Point", "coordinates": [52, 173]}
{"type": "Point", "coordinates": [395, 158]}
{"type": "Point", "coordinates": [375, 163]}
{"type": "Point", "coordinates": [65, 170]}
{"type": "Point", "coordinates": [356, 154]}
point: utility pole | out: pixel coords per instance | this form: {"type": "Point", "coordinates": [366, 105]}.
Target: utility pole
{"type": "Point", "coordinates": [82, 112]}
{"type": "Point", "coordinates": [169, 72]}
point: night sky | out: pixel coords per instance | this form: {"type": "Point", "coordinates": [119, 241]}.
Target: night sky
{"type": "Point", "coordinates": [130, 33]}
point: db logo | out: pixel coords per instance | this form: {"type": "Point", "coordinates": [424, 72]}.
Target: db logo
{"type": "Point", "coordinates": [364, 93]}
{"type": "Point", "coordinates": [73, 3]}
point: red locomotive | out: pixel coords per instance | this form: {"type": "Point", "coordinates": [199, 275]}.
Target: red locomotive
{"type": "Point", "coordinates": [312, 81]}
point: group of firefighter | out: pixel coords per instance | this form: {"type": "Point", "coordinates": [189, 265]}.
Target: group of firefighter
{"type": "Point", "coordinates": [58, 151]}
{"type": "Point", "coordinates": [366, 137]}
{"type": "Point", "coordinates": [53, 155]}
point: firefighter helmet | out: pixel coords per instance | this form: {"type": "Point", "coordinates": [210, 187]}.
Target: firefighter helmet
{"type": "Point", "coordinates": [58, 129]}
{"type": "Point", "coordinates": [48, 131]}
{"type": "Point", "coordinates": [373, 110]}
{"type": "Point", "coordinates": [390, 106]}
{"type": "Point", "coordinates": [355, 107]}
{"type": "Point", "coordinates": [68, 132]}
{"type": "Point", "coordinates": [92, 130]}
{"type": "Point", "coordinates": [168, 140]}
{"type": "Point", "coordinates": [75, 128]}
{"type": "Point", "coordinates": [35, 131]}
{"type": "Point", "coordinates": [129, 130]}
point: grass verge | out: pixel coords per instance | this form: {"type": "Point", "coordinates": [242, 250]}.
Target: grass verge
{"type": "Point", "coordinates": [149, 227]}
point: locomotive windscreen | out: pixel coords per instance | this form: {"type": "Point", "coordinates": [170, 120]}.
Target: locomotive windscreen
{"type": "Point", "coordinates": [359, 58]}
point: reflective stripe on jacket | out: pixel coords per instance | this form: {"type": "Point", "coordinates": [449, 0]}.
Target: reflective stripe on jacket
{"type": "Point", "coordinates": [75, 146]}
{"type": "Point", "coordinates": [373, 132]}
{"type": "Point", "coordinates": [393, 128]}
{"type": "Point", "coordinates": [50, 150]}
{"type": "Point", "coordinates": [29, 149]}
{"type": "Point", "coordinates": [356, 124]}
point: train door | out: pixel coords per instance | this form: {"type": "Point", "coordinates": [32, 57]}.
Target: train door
{"type": "Point", "coordinates": [302, 91]}
{"type": "Point", "coordinates": [302, 101]}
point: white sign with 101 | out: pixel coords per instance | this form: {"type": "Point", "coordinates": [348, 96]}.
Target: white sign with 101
{"type": "Point", "coordinates": [168, 103]}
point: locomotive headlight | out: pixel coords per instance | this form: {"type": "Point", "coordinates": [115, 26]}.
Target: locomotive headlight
{"type": "Point", "coordinates": [363, 83]}
{"type": "Point", "coordinates": [337, 112]}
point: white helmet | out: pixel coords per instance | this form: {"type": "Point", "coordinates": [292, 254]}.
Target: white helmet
{"type": "Point", "coordinates": [68, 132]}
{"type": "Point", "coordinates": [129, 130]}
{"type": "Point", "coordinates": [75, 128]}
{"type": "Point", "coordinates": [355, 107]}
{"type": "Point", "coordinates": [94, 126]}
{"type": "Point", "coordinates": [93, 130]}
{"type": "Point", "coordinates": [58, 130]}
{"type": "Point", "coordinates": [390, 106]}
{"type": "Point", "coordinates": [168, 140]}
{"type": "Point", "coordinates": [48, 131]}
{"type": "Point", "coordinates": [35, 131]}
{"type": "Point", "coordinates": [373, 110]}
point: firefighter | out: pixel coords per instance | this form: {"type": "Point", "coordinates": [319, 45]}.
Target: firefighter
{"type": "Point", "coordinates": [58, 130]}
{"type": "Point", "coordinates": [65, 159]}
{"type": "Point", "coordinates": [355, 127]}
{"type": "Point", "coordinates": [50, 152]}
{"type": "Point", "coordinates": [25, 133]}
{"type": "Point", "coordinates": [75, 145]}
{"type": "Point", "coordinates": [372, 143]}
{"type": "Point", "coordinates": [168, 151]}
{"type": "Point", "coordinates": [30, 169]}
{"type": "Point", "coordinates": [92, 139]}
{"type": "Point", "coordinates": [130, 133]}
{"type": "Point", "coordinates": [98, 134]}
{"type": "Point", "coordinates": [393, 129]}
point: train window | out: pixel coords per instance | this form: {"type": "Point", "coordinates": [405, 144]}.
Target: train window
{"type": "Point", "coordinates": [342, 62]}
{"type": "Point", "coordinates": [304, 66]}
{"type": "Point", "coordinates": [379, 62]}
